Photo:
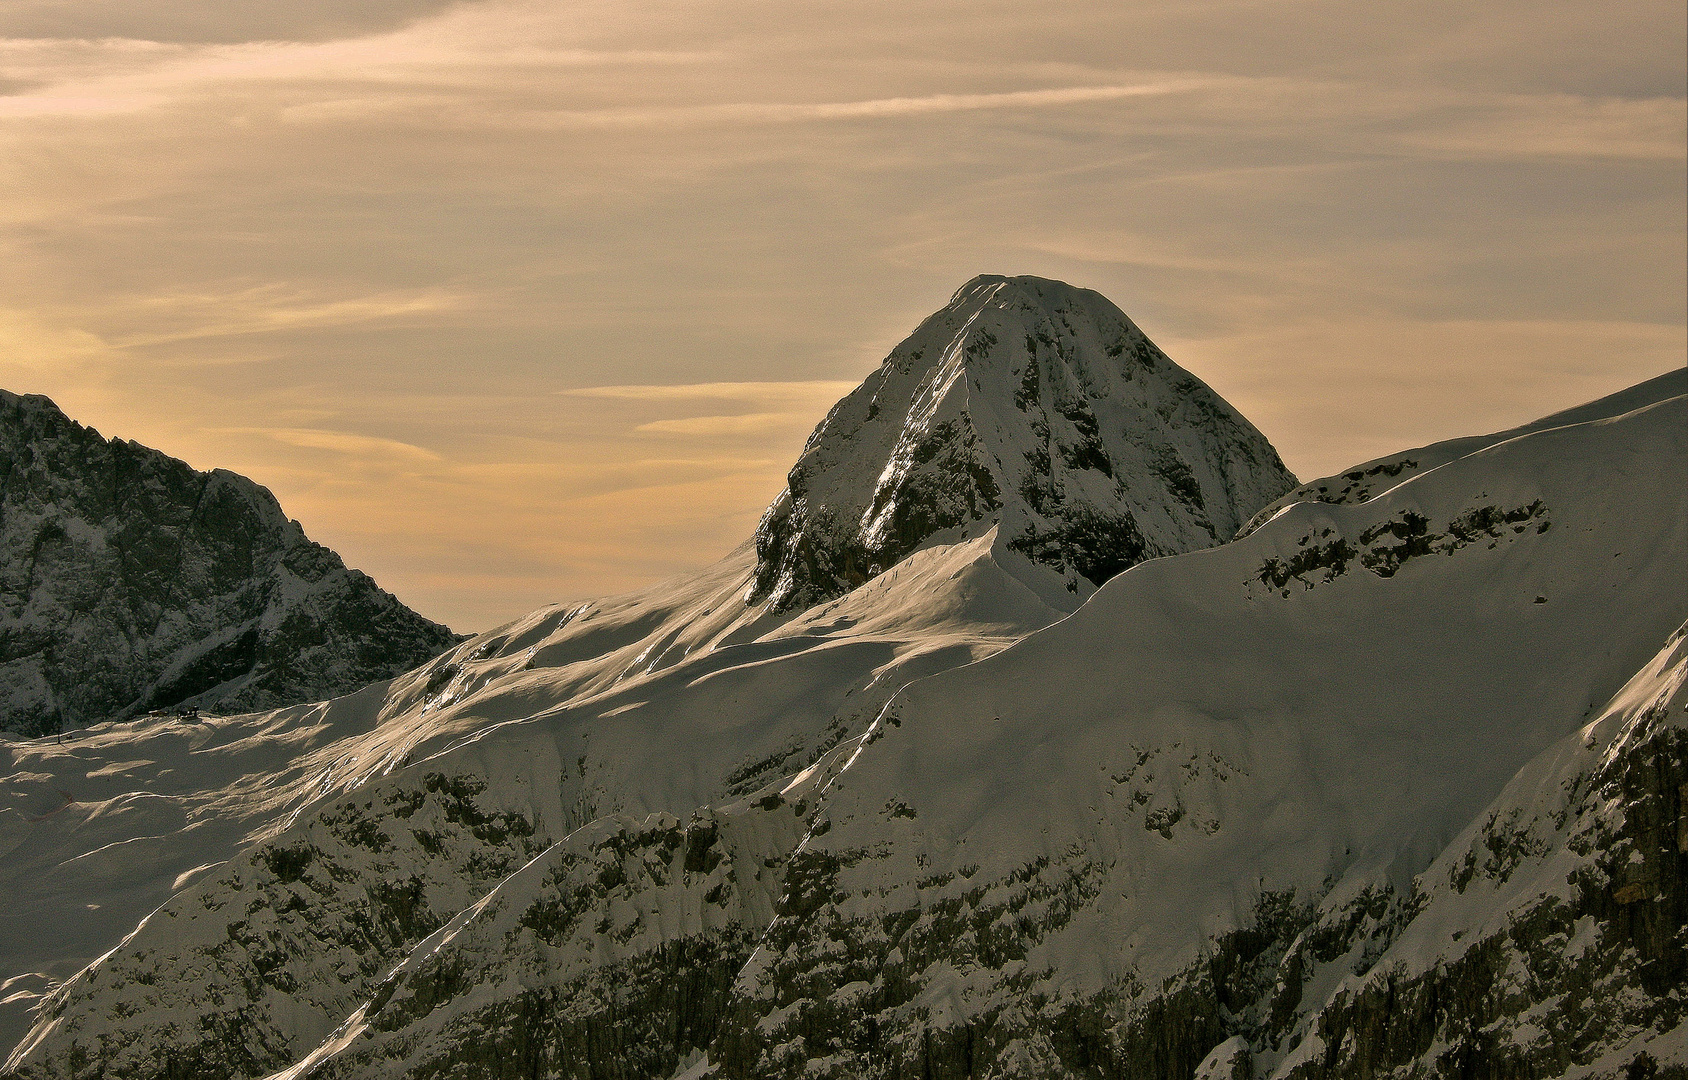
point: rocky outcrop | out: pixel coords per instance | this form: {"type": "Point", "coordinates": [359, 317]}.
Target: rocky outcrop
{"type": "Point", "coordinates": [130, 581]}
{"type": "Point", "coordinates": [1024, 402]}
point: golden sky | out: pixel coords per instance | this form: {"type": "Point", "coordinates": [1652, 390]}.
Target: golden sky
{"type": "Point", "coordinates": [515, 301]}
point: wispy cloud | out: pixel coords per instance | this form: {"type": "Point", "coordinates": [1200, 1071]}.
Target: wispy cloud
{"type": "Point", "coordinates": [796, 404]}
{"type": "Point", "coordinates": [708, 426]}
{"type": "Point", "coordinates": [456, 53]}
{"type": "Point", "coordinates": [269, 309]}
{"type": "Point", "coordinates": [772, 112]}
{"type": "Point", "coordinates": [348, 443]}
{"type": "Point", "coordinates": [799, 390]}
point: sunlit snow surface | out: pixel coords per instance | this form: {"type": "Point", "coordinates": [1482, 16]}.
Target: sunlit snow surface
{"type": "Point", "coordinates": [1329, 706]}
{"type": "Point", "coordinates": [655, 700]}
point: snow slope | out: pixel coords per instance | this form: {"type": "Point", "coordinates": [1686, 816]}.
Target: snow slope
{"type": "Point", "coordinates": [1559, 911]}
{"type": "Point", "coordinates": [1373, 477]}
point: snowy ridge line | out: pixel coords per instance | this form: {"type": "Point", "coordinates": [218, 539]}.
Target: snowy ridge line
{"type": "Point", "coordinates": [42, 1032]}
{"type": "Point", "coordinates": [435, 945]}
{"type": "Point", "coordinates": [354, 1025]}
{"type": "Point", "coordinates": [1496, 446]}
{"type": "Point", "coordinates": [862, 741]}
{"type": "Point", "coordinates": [1359, 487]}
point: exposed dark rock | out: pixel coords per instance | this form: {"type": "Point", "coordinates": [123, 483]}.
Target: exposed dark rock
{"type": "Point", "coordinates": [129, 581]}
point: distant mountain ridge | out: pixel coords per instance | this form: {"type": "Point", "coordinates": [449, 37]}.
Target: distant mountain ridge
{"type": "Point", "coordinates": [131, 581]}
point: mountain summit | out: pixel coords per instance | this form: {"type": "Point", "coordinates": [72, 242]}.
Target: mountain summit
{"type": "Point", "coordinates": [1028, 404]}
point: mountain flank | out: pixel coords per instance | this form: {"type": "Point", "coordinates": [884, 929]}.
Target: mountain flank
{"type": "Point", "coordinates": [130, 581]}
{"type": "Point", "coordinates": [1374, 477]}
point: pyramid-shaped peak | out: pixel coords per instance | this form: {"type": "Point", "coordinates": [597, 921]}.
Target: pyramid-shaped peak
{"type": "Point", "coordinates": [1026, 403]}
{"type": "Point", "coordinates": [1028, 295]}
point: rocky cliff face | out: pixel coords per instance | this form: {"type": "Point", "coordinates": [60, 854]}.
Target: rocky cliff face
{"type": "Point", "coordinates": [129, 581]}
{"type": "Point", "coordinates": [1024, 402]}
{"type": "Point", "coordinates": [1546, 940]}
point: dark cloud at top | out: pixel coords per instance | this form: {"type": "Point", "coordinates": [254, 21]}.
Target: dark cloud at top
{"type": "Point", "coordinates": [210, 21]}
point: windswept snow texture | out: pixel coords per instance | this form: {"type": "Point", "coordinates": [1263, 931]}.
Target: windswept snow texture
{"type": "Point", "coordinates": [1032, 404]}
{"type": "Point", "coordinates": [129, 581]}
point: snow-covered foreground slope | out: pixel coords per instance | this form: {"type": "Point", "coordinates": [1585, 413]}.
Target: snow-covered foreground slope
{"type": "Point", "coordinates": [99, 829]}
{"type": "Point", "coordinates": [1544, 941]}
{"type": "Point", "coordinates": [1366, 790]}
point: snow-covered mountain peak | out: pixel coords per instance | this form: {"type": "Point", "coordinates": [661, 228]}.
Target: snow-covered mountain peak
{"type": "Point", "coordinates": [1026, 404]}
